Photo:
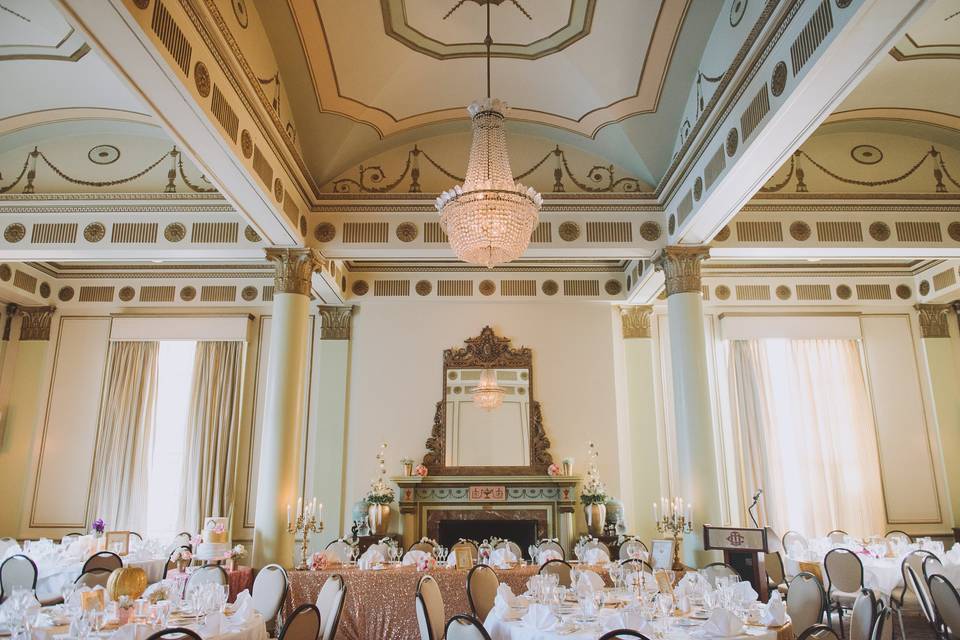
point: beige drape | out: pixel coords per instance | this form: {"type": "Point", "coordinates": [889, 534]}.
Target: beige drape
{"type": "Point", "coordinates": [213, 420]}
{"type": "Point", "coordinates": [125, 436]}
{"type": "Point", "coordinates": [806, 435]}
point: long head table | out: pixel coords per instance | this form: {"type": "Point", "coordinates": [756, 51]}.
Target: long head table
{"type": "Point", "coordinates": [380, 603]}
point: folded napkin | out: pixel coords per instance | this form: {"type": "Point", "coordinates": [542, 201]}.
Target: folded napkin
{"type": "Point", "coordinates": [630, 618]}
{"type": "Point", "coordinates": [242, 609]}
{"type": "Point", "coordinates": [595, 580]}
{"type": "Point", "coordinates": [539, 618]}
{"type": "Point", "coordinates": [596, 556]}
{"type": "Point", "coordinates": [411, 558]}
{"type": "Point", "coordinates": [547, 555]}
{"type": "Point", "coordinates": [774, 612]}
{"type": "Point", "coordinates": [744, 593]}
{"type": "Point", "coordinates": [583, 586]}
{"type": "Point", "coordinates": [505, 599]}
{"type": "Point", "coordinates": [452, 561]}
{"type": "Point", "coordinates": [502, 558]}
{"type": "Point", "coordinates": [722, 624]}
{"type": "Point", "coordinates": [953, 556]}
{"type": "Point", "coordinates": [370, 559]}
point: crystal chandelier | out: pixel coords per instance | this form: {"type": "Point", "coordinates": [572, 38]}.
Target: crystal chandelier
{"type": "Point", "coordinates": [488, 395]}
{"type": "Point", "coordinates": [489, 218]}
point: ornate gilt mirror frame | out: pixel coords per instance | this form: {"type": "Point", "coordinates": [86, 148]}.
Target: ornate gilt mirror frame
{"type": "Point", "coordinates": [483, 352]}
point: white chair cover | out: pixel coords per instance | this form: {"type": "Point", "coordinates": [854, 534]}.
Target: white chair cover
{"type": "Point", "coordinates": [269, 590]}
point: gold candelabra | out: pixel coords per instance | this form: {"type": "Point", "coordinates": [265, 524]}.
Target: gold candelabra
{"type": "Point", "coordinates": [309, 520]}
{"type": "Point", "coordinates": [671, 519]}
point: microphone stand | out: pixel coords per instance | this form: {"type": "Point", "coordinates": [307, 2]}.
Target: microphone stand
{"type": "Point", "coordinates": [756, 499]}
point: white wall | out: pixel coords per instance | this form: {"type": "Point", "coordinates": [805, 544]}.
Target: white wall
{"type": "Point", "coordinates": [396, 377]}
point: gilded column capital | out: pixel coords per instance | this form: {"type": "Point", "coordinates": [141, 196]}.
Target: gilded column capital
{"type": "Point", "coordinates": [681, 266]}
{"type": "Point", "coordinates": [35, 323]}
{"type": "Point", "coordinates": [635, 320]}
{"type": "Point", "coordinates": [933, 320]}
{"type": "Point", "coordinates": [335, 322]}
{"type": "Point", "coordinates": [293, 269]}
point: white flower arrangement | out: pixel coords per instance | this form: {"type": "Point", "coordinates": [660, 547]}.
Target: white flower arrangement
{"type": "Point", "coordinates": [236, 553]}
{"type": "Point", "coordinates": [380, 492]}
{"type": "Point", "coordinates": [594, 491]}
{"type": "Point", "coordinates": [181, 554]}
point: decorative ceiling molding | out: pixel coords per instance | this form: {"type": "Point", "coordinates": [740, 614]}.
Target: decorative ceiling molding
{"type": "Point", "coordinates": [898, 114]}
{"type": "Point", "coordinates": [331, 95]}
{"type": "Point", "coordinates": [910, 49]}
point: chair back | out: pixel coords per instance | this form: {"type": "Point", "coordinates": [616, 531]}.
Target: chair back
{"type": "Point", "coordinates": [175, 632]}
{"type": "Point", "coordinates": [426, 547]}
{"type": "Point", "coordinates": [559, 567]}
{"type": "Point", "coordinates": [183, 539]}
{"type": "Point", "coordinates": [336, 608]}
{"type": "Point", "coordinates": [631, 548]}
{"type": "Point", "coordinates": [330, 603]}
{"type": "Point", "coordinates": [716, 570]}
{"type": "Point", "coordinates": [482, 584]}
{"type": "Point", "coordinates": [863, 615]}
{"type": "Point", "coordinates": [17, 571]}
{"type": "Point", "coordinates": [469, 545]}
{"type": "Point", "coordinates": [134, 534]}
{"type": "Point", "coordinates": [210, 574]}
{"type": "Point", "coordinates": [883, 626]}
{"type": "Point", "coordinates": [269, 592]}
{"type": "Point", "coordinates": [791, 538]}
{"type": "Point", "coordinates": [946, 602]}
{"type": "Point", "coordinates": [635, 564]}
{"type": "Point", "coordinates": [919, 589]}
{"type": "Point", "coordinates": [551, 545]}
{"type": "Point", "coordinates": [773, 540]}
{"type": "Point", "coordinates": [913, 559]}
{"type": "Point", "coordinates": [844, 571]}
{"type": "Point", "coordinates": [837, 536]}
{"type": "Point", "coordinates": [340, 549]}
{"type": "Point", "coordinates": [103, 560]}
{"type": "Point", "coordinates": [93, 578]}
{"type": "Point", "coordinates": [896, 534]}
{"type": "Point", "coordinates": [622, 633]}
{"type": "Point", "coordinates": [464, 627]}
{"type": "Point", "coordinates": [429, 609]}
{"type": "Point", "coordinates": [303, 624]}
{"type": "Point", "coordinates": [70, 537]}
{"type": "Point", "coordinates": [593, 543]}
{"type": "Point", "coordinates": [511, 546]}
{"type": "Point", "coordinates": [774, 566]}
{"type": "Point", "coordinates": [805, 601]}
{"type": "Point", "coordinates": [931, 567]}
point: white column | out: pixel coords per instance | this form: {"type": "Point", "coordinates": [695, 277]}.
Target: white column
{"type": "Point", "coordinates": [283, 410]}
{"type": "Point", "coordinates": [696, 450]}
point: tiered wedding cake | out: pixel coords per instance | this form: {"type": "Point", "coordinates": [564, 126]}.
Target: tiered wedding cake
{"type": "Point", "coordinates": [215, 541]}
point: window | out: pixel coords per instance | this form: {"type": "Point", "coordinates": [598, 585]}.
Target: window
{"type": "Point", "coordinates": [175, 374]}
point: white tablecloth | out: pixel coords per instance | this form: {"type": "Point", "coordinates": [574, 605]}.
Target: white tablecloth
{"type": "Point", "coordinates": [500, 629]}
{"type": "Point", "coordinates": [254, 629]}
{"type": "Point", "coordinates": [52, 577]}
{"type": "Point", "coordinates": [880, 574]}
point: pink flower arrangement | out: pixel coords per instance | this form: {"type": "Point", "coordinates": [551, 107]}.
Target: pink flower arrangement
{"type": "Point", "coordinates": [553, 470]}
{"type": "Point", "coordinates": [426, 563]}
{"type": "Point", "coordinates": [219, 528]}
{"type": "Point", "coordinates": [318, 561]}
{"type": "Point", "coordinates": [421, 471]}
{"type": "Point", "coordinates": [195, 540]}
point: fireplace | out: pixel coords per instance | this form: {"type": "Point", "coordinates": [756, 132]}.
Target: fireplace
{"type": "Point", "coordinates": [523, 532]}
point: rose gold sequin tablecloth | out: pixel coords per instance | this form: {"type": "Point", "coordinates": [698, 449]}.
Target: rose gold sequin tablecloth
{"type": "Point", "coordinates": [380, 603]}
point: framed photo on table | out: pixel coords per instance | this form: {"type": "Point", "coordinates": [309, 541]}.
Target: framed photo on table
{"type": "Point", "coordinates": [118, 542]}
{"type": "Point", "coordinates": [661, 553]}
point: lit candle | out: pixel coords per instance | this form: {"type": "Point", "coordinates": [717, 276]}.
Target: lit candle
{"type": "Point", "coordinates": [299, 506]}
{"type": "Point", "coordinates": [288, 515]}
{"type": "Point", "coordinates": [655, 512]}
{"type": "Point", "coordinates": [320, 514]}
{"type": "Point", "coordinates": [690, 512]}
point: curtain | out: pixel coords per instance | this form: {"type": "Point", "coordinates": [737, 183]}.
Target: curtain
{"type": "Point", "coordinates": [213, 420]}
{"type": "Point", "coordinates": [806, 435]}
{"type": "Point", "coordinates": [124, 436]}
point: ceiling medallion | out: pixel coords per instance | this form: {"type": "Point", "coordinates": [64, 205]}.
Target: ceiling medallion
{"type": "Point", "coordinates": [698, 188]}
{"type": "Point", "coordinates": [672, 224]}
{"type": "Point", "coordinates": [65, 294]}
{"type": "Point", "coordinates": [779, 80]}
{"type": "Point", "coordinates": [733, 141]}
{"type": "Point", "coordinates": [953, 230]}
{"type": "Point", "coordinates": [489, 219]}
{"type": "Point", "coordinates": [360, 287]}
{"type": "Point", "coordinates": [924, 287]}
{"type": "Point", "coordinates": [325, 232]}
{"type": "Point", "coordinates": [246, 144]}
{"type": "Point", "coordinates": [550, 287]}
{"type": "Point", "coordinates": [14, 232]}
{"type": "Point", "coordinates": [406, 232]}
{"type": "Point", "coordinates": [866, 154]}
{"type": "Point", "coordinates": [201, 76]}
{"type": "Point", "coordinates": [724, 234]}
{"type": "Point", "coordinates": [5, 272]}
{"type": "Point", "coordinates": [844, 292]}
{"type": "Point", "coordinates": [800, 231]}
{"type": "Point", "coordinates": [612, 287]}
{"type": "Point", "coordinates": [249, 294]}
{"type": "Point", "coordinates": [174, 232]}
{"type": "Point", "coordinates": [783, 292]}
{"type": "Point", "coordinates": [103, 154]}
{"type": "Point", "coordinates": [650, 231]}
{"type": "Point", "coordinates": [45, 289]}
{"type": "Point", "coordinates": [126, 294]}
{"type": "Point", "coordinates": [722, 292]}
{"type": "Point", "coordinates": [188, 293]}
{"type": "Point", "coordinates": [904, 292]}
{"type": "Point", "coordinates": [94, 232]}
{"type": "Point", "coordinates": [423, 288]}
{"type": "Point", "coordinates": [737, 9]}
{"type": "Point", "coordinates": [880, 231]}
{"type": "Point", "coordinates": [487, 287]}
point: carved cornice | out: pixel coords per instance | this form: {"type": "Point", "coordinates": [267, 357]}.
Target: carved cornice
{"type": "Point", "coordinates": [681, 266]}
{"type": "Point", "coordinates": [294, 268]}
{"type": "Point", "coordinates": [636, 321]}
{"type": "Point", "coordinates": [488, 350]}
{"type": "Point", "coordinates": [933, 320]}
{"type": "Point", "coordinates": [35, 324]}
{"type": "Point", "coordinates": [335, 322]}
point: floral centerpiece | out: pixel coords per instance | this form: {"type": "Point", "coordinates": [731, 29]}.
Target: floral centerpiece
{"type": "Point", "coordinates": [98, 527]}
{"type": "Point", "coordinates": [553, 470]}
{"type": "Point", "coordinates": [319, 561]}
{"type": "Point", "coordinates": [421, 470]}
{"type": "Point", "coordinates": [233, 555]}
{"type": "Point", "coordinates": [181, 557]}
{"type": "Point", "coordinates": [594, 494]}
{"type": "Point", "coordinates": [379, 497]}
{"type": "Point", "coordinates": [124, 609]}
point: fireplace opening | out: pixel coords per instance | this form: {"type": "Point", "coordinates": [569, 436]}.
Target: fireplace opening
{"type": "Point", "coordinates": [523, 532]}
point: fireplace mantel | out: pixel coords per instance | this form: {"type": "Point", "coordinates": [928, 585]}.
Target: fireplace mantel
{"type": "Point", "coordinates": [548, 499]}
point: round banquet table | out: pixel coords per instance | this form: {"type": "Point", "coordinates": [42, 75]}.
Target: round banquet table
{"type": "Point", "coordinates": [500, 629]}
{"type": "Point", "coordinates": [380, 602]}
{"type": "Point", "coordinates": [52, 577]}
{"type": "Point", "coordinates": [883, 575]}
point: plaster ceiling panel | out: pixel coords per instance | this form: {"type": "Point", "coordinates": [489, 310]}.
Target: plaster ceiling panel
{"type": "Point", "coordinates": [35, 29]}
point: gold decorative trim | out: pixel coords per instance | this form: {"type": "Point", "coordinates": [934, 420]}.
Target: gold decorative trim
{"type": "Point", "coordinates": [335, 322]}
{"type": "Point", "coordinates": [35, 324]}
{"type": "Point", "coordinates": [933, 320]}
{"type": "Point", "coordinates": [681, 266]}
{"type": "Point", "coordinates": [294, 268]}
{"type": "Point", "coordinates": [635, 321]}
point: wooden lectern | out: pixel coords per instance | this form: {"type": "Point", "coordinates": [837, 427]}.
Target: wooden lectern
{"type": "Point", "coordinates": [743, 549]}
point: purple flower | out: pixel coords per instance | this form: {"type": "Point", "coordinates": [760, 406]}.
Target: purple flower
{"type": "Point", "coordinates": [99, 525]}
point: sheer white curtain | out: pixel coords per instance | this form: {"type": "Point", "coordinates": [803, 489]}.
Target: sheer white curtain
{"type": "Point", "coordinates": [806, 434]}
{"type": "Point", "coordinates": [124, 436]}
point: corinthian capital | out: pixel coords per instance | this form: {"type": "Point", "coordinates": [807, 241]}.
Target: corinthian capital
{"type": "Point", "coordinates": [681, 266]}
{"type": "Point", "coordinates": [335, 322]}
{"type": "Point", "coordinates": [933, 320]}
{"type": "Point", "coordinates": [35, 323]}
{"type": "Point", "coordinates": [635, 321]}
{"type": "Point", "coordinates": [293, 268]}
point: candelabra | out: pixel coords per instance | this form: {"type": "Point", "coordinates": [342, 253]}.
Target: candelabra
{"type": "Point", "coordinates": [675, 523]}
{"type": "Point", "coordinates": [305, 524]}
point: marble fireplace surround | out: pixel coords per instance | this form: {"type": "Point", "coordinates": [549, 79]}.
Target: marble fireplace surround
{"type": "Point", "coordinates": [548, 500]}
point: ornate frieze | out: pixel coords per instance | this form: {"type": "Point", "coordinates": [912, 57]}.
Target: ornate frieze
{"type": "Point", "coordinates": [933, 320]}
{"type": "Point", "coordinates": [681, 266]}
{"type": "Point", "coordinates": [35, 323]}
{"type": "Point", "coordinates": [335, 322]}
{"type": "Point", "coordinates": [294, 267]}
{"type": "Point", "coordinates": [635, 321]}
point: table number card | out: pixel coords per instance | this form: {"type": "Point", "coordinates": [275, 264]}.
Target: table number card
{"type": "Point", "coordinates": [464, 558]}
{"type": "Point", "coordinates": [663, 582]}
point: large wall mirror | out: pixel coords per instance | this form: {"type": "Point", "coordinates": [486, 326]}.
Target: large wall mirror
{"type": "Point", "coordinates": [471, 438]}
